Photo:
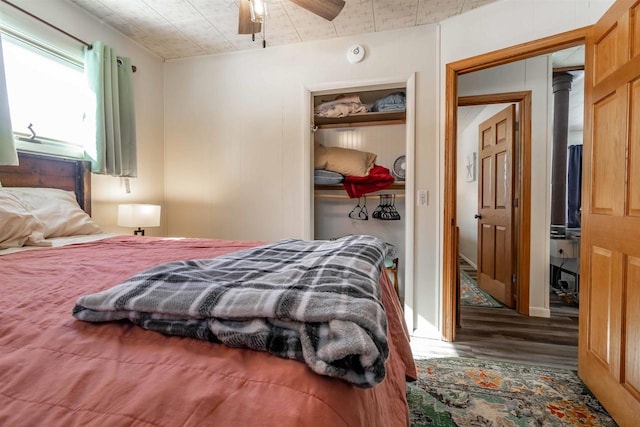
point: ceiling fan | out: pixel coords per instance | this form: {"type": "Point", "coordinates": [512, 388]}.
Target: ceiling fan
{"type": "Point", "coordinates": [250, 19]}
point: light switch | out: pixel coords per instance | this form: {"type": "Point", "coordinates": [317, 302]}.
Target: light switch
{"type": "Point", "coordinates": [422, 198]}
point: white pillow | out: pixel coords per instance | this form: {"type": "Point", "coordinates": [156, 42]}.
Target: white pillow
{"type": "Point", "coordinates": [17, 226]}
{"type": "Point", "coordinates": [57, 210]}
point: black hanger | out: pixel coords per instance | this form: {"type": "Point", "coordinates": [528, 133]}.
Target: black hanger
{"type": "Point", "coordinates": [386, 210]}
{"type": "Point", "coordinates": [360, 212]}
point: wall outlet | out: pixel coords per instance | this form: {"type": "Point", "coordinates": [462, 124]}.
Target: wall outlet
{"type": "Point", "coordinates": [563, 248]}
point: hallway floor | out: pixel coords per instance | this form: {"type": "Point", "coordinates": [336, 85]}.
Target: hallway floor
{"type": "Point", "coordinates": [503, 334]}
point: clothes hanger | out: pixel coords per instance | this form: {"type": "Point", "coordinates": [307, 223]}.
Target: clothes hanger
{"type": "Point", "coordinates": [386, 210]}
{"type": "Point", "coordinates": [360, 212]}
{"type": "Point", "coordinates": [377, 213]}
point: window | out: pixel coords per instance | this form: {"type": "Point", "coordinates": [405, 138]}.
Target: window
{"type": "Point", "coordinates": [47, 93]}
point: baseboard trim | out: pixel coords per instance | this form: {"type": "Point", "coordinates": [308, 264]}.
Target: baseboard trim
{"type": "Point", "coordinates": [539, 312]}
{"type": "Point", "coordinates": [472, 264]}
{"type": "Point", "coordinates": [428, 332]}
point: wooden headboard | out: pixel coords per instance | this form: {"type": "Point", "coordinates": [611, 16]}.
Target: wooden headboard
{"type": "Point", "coordinates": [42, 170]}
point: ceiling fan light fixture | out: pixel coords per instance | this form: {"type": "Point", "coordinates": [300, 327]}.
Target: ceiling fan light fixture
{"type": "Point", "coordinates": [258, 10]}
{"type": "Point", "coordinates": [327, 9]}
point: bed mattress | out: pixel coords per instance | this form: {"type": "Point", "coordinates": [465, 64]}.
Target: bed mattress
{"type": "Point", "coordinates": [56, 370]}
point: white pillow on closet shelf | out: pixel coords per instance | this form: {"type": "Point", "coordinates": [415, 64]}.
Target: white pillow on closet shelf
{"type": "Point", "coordinates": [19, 226]}
{"type": "Point", "coordinates": [57, 210]}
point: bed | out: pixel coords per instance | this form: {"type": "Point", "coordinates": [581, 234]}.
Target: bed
{"type": "Point", "coordinates": [58, 370]}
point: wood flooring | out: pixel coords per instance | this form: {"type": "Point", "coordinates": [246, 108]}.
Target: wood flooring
{"type": "Point", "coordinates": [503, 334]}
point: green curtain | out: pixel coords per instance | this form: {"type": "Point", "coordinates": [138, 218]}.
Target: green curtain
{"type": "Point", "coordinates": [8, 153]}
{"type": "Point", "coordinates": [111, 115]}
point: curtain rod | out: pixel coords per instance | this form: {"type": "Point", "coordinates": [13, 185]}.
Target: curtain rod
{"type": "Point", "coordinates": [88, 45]}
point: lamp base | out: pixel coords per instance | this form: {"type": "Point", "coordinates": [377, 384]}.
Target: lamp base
{"type": "Point", "coordinates": [139, 231]}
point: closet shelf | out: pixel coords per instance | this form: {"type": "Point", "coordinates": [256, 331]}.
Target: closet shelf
{"type": "Point", "coordinates": [367, 119]}
{"type": "Point", "coordinates": [338, 187]}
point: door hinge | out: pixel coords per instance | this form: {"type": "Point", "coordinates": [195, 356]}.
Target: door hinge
{"type": "Point", "coordinates": [513, 278]}
{"type": "Point", "coordinates": [515, 202]}
{"type": "Point", "coordinates": [516, 126]}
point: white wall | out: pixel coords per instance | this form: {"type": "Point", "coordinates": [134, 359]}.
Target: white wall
{"type": "Point", "coordinates": [107, 192]}
{"type": "Point", "coordinates": [510, 22]}
{"type": "Point", "coordinates": [535, 75]}
{"type": "Point", "coordinates": [496, 26]}
{"type": "Point", "coordinates": [237, 154]}
{"type": "Point", "coordinates": [576, 103]}
{"type": "Point", "coordinates": [469, 119]}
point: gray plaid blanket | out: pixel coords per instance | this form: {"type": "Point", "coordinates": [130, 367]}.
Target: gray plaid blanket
{"type": "Point", "coordinates": [313, 301]}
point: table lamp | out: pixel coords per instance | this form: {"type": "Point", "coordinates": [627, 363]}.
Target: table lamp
{"type": "Point", "coordinates": [138, 215]}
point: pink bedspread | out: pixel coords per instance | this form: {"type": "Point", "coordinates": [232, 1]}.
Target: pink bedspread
{"type": "Point", "coordinates": [57, 371]}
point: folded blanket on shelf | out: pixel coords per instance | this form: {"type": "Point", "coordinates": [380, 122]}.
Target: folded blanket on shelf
{"type": "Point", "coordinates": [396, 101]}
{"type": "Point", "coordinates": [391, 107]}
{"type": "Point", "coordinates": [342, 106]}
{"type": "Point", "coordinates": [313, 301]}
{"type": "Point", "coordinates": [325, 177]}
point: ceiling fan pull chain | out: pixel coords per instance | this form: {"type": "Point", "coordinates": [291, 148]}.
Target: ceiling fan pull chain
{"type": "Point", "coordinates": [264, 33]}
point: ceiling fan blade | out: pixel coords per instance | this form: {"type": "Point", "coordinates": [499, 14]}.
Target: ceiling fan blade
{"type": "Point", "coordinates": [245, 26]}
{"type": "Point", "coordinates": [327, 9]}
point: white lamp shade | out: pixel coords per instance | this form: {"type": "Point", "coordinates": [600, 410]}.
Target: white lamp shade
{"type": "Point", "coordinates": [137, 215]}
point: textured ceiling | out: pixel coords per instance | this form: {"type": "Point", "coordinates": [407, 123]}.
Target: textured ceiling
{"type": "Point", "coordinates": [183, 28]}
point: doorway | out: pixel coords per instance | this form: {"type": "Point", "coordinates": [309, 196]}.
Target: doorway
{"type": "Point", "coordinates": [566, 178]}
{"type": "Point", "coordinates": [453, 71]}
{"type": "Point", "coordinates": [520, 235]}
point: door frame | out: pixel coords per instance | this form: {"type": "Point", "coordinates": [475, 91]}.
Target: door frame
{"type": "Point", "coordinates": [521, 234]}
{"type": "Point", "coordinates": [453, 70]}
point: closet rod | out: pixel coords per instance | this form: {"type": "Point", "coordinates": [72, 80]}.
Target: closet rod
{"type": "Point", "coordinates": [344, 196]}
{"type": "Point", "coordinates": [37, 18]}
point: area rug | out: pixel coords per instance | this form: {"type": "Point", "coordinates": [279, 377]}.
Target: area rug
{"type": "Point", "coordinates": [471, 392]}
{"type": "Point", "coordinates": [472, 295]}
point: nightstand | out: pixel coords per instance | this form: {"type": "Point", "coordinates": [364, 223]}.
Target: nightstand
{"type": "Point", "coordinates": [392, 267]}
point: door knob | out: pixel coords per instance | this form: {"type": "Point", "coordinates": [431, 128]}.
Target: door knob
{"type": "Point", "coordinates": [477, 216]}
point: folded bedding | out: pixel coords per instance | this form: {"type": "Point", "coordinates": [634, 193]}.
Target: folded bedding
{"type": "Point", "coordinates": [315, 301]}
{"type": "Point", "coordinates": [342, 106]}
{"type": "Point", "coordinates": [325, 177]}
{"type": "Point", "coordinates": [396, 101]}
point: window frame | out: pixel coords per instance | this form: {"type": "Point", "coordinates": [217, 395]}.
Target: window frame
{"type": "Point", "coordinates": [42, 144]}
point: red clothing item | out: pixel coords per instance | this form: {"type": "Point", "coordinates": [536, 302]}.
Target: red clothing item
{"type": "Point", "coordinates": [378, 178]}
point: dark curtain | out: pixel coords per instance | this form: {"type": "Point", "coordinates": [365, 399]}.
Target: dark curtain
{"type": "Point", "coordinates": [574, 186]}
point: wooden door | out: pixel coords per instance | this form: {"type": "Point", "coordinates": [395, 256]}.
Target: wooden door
{"type": "Point", "coordinates": [495, 205]}
{"type": "Point", "coordinates": [609, 345]}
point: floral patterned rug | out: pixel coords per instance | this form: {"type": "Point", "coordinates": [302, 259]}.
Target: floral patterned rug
{"type": "Point", "coordinates": [471, 392]}
{"type": "Point", "coordinates": [472, 295]}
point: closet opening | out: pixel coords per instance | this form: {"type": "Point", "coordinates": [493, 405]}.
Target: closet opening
{"type": "Point", "coordinates": [361, 178]}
